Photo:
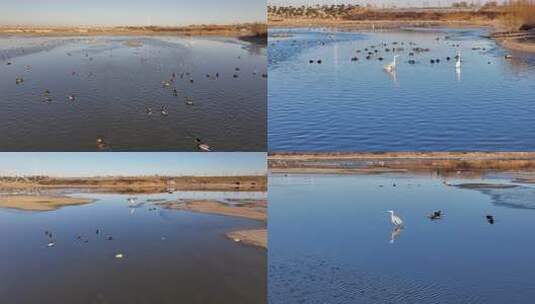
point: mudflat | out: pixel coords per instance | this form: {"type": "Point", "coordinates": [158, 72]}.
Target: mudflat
{"type": "Point", "coordinates": [40, 203]}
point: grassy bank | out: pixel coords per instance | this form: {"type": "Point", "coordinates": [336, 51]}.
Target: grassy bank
{"type": "Point", "coordinates": [140, 184]}
{"type": "Point", "coordinates": [352, 163]}
{"type": "Point", "coordinates": [235, 30]}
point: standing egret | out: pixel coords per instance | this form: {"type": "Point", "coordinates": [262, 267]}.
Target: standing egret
{"type": "Point", "coordinates": [396, 220]}
{"type": "Point", "coordinates": [391, 67]}
{"type": "Point", "coordinates": [458, 63]}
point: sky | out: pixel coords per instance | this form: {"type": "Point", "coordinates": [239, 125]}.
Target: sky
{"type": "Point", "coordinates": [378, 3]}
{"type": "Point", "coordinates": [128, 164]}
{"type": "Point", "coordinates": [130, 12]}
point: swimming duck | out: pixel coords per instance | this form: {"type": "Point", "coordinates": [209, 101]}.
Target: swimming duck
{"type": "Point", "coordinates": [201, 146]}
{"type": "Point", "coordinates": [436, 215]}
{"type": "Point", "coordinates": [71, 97]}
{"type": "Point", "coordinates": [490, 219]}
{"type": "Point", "coordinates": [148, 111]}
{"type": "Point", "coordinates": [164, 111]}
{"type": "Point", "coordinates": [19, 80]}
{"type": "Point", "coordinates": [188, 100]}
{"type": "Point", "coordinates": [100, 143]}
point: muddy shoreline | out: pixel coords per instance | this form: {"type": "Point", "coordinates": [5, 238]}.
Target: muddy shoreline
{"type": "Point", "coordinates": [370, 163]}
{"type": "Point", "coordinates": [237, 30]}
{"type": "Point", "coordinates": [142, 184]}
{"type": "Point", "coordinates": [250, 209]}
{"type": "Point", "coordinates": [392, 25]}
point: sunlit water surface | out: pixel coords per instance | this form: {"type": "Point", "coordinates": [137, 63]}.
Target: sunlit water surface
{"type": "Point", "coordinates": [170, 256]}
{"type": "Point", "coordinates": [342, 104]}
{"type": "Point", "coordinates": [114, 81]}
{"type": "Point", "coordinates": [331, 241]}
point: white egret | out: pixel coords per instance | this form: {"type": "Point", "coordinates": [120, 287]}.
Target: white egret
{"type": "Point", "coordinates": [396, 220]}
{"type": "Point", "coordinates": [458, 63]}
{"type": "Point", "coordinates": [391, 67]}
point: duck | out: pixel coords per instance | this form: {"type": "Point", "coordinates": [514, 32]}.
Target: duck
{"type": "Point", "coordinates": [164, 111]}
{"type": "Point", "coordinates": [19, 80]}
{"type": "Point", "coordinates": [71, 97]}
{"type": "Point", "coordinates": [490, 219]}
{"type": "Point", "coordinates": [148, 111]}
{"type": "Point", "coordinates": [436, 215]}
{"type": "Point", "coordinates": [101, 144]}
{"type": "Point", "coordinates": [202, 146]}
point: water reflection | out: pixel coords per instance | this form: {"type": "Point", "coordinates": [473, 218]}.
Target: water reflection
{"type": "Point", "coordinates": [311, 260]}
{"type": "Point", "coordinates": [132, 93]}
{"type": "Point", "coordinates": [419, 112]}
{"type": "Point", "coordinates": [396, 232]}
{"type": "Point", "coordinates": [162, 255]}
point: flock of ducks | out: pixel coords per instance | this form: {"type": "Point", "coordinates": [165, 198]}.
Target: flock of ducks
{"type": "Point", "coordinates": [163, 110]}
{"type": "Point", "coordinates": [132, 203]}
{"type": "Point", "coordinates": [374, 51]}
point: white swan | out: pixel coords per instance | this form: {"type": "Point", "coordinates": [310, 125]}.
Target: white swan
{"type": "Point", "coordinates": [391, 66]}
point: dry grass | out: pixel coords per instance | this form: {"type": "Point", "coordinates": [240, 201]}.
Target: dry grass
{"type": "Point", "coordinates": [519, 14]}
{"type": "Point", "coordinates": [139, 184]}
{"type": "Point", "coordinates": [385, 162]}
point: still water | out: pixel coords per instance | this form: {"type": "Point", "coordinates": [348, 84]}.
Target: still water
{"type": "Point", "coordinates": [331, 240]}
{"type": "Point", "coordinates": [341, 105]}
{"type": "Point", "coordinates": [75, 90]}
{"type": "Point", "coordinates": [170, 256]}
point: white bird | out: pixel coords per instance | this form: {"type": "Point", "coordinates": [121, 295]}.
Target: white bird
{"type": "Point", "coordinates": [458, 63]}
{"type": "Point", "coordinates": [396, 220]}
{"type": "Point", "coordinates": [391, 67]}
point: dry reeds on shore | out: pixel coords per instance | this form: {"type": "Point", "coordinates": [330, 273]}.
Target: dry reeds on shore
{"type": "Point", "coordinates": [520, 14]}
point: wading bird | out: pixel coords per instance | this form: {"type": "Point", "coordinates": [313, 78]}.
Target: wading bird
{"type": "Point", "coordinates": [458, 63]}
{"type": "Point", "coordinates": [396, 220]}
{"type": "Point", "coordinates": [391, 66]}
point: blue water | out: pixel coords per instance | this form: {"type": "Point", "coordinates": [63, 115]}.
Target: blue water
{"type": "Point", "coordinates": [331, 240]}
{"type": "Point", "coordinates": [169, 255]}
{"type": "Point", "coordinates": [341, 105]}
{"type": "Point", "coordinates": [116, 79]}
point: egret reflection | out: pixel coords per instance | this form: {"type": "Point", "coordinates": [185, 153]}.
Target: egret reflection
{"type": "Point", "coordinates": [396, 232]}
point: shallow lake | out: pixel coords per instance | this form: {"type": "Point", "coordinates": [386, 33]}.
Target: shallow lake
{"type": "Point", "coordinates": [331, 240]}
{"type": "Point", "coordinates": [75, 90]}
{"type": "Point", "coordinates": [344, 105]}
{"type": "Point", "coordinates": [169, 256]}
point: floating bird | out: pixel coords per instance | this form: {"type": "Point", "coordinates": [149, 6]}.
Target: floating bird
{"type": "Point", "coordinates": [119, 256]}
{"type": "Point", "coordinates": [51, 244]}
{"type": "Point", "coordinates": [19, 80]}
{"type": "Point", "coordinates": [396, 220]}
{"type": "Point", "coordinates": [436, 215]}
{"type": "Point", "coordinates": [71, 98]}
{"type": "Point", "coordinates": [164, 111]}
{"type": "Point", "coordinates": [202, 146]}
{"type": "Point", "coordinates": [148, 111]}
{"type": "Point", "coordinates": [100, 143]}
{"type": "Point", "coordinates": [391, 67]}
{"type": "Point", "coordinates": [490, 219]}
